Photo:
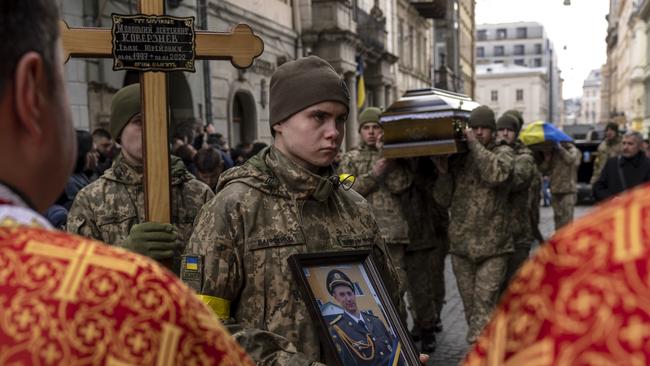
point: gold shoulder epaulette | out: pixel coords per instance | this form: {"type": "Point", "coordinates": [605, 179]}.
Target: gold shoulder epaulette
{"type": "Point", "coordinates": [336, 319]}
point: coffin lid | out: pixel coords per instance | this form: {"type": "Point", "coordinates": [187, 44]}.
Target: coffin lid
{"type": "Point", "coordinates": [429, 104]}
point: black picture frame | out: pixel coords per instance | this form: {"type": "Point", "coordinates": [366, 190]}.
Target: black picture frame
{"type": "Point", "coordinates": [302, 265]}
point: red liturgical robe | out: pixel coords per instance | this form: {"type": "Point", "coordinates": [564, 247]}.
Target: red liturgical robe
{"type": "Point", "coordinates": [583, 299]}
{"type": "Point", "coordinates": [67, 300]}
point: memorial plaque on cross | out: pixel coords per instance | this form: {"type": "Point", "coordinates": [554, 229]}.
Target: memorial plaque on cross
{"type": "Point", "coordinates": [154, 44]}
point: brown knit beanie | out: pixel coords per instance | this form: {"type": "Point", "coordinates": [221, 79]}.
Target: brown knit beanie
{"type": "Point", "coordinates": [369, 115]}
{"type": "Point", "coordinates": [302, 83]}
{"type": "Point", "coordinates": [482, 116]}
{"type": "Point", "coordinates": [124, 105]}
{"type": "Point", "coordinates": [508, 121]}
{"type": "Point", "coordinates": [515, 113]}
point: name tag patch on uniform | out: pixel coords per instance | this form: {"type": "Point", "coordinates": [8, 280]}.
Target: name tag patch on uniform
{"type": "Point", "coordinates": [192, 271]}
{"type": "Point", "coordinates": [351, 241]}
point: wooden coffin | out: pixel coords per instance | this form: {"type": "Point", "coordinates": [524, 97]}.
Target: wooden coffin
{"type": "Point", "coordinates": [426, 122]}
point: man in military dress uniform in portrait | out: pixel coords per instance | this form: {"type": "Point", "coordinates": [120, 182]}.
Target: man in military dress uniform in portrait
{"type": "Point", "coordinates": [361, 338]}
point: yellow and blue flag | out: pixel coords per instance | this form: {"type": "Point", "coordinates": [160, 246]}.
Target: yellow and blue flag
{"type": "Point", "coordinates": [361, 84]}
{"type": "Point", "coordinates": [192, 263]}
{"type": "Point", "coordinates": [540, 131]}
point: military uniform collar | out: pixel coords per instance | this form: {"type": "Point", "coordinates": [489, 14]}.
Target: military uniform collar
{"type": "Point", "coordinates": [299, 181]}
{"type": "Point", "coordinates": [356, 319]}
{"type": "Point", "coordinates": [616, 140]}
{"type": "Point", "coordinates": [365, 147]}
{"type": "Point", "coordinates": [123, 171]}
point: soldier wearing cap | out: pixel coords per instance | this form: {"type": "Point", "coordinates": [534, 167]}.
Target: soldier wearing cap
{"type": "Point", "coordinates": [285, 200]}
{"type": "Point", "coordinates": [476, 187]}
{"type": "Point", "coordinates": [611, 146]}
{"type": "Point", "coordinates": [111, 209]}
{"type": "Point", "coordinates": [535, 186]}
{"type": "Point", "coordinates": [360, 337]}
{"type": "Point", "coordinates": [561, 164]}
{"type": "Point", "coordinates": [524, 172]}
{"type": "Point", "coordinates": [381, 181]}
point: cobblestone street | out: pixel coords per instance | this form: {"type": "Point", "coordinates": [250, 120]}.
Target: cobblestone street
{"type": "Point", "coordinates": [451, 341]}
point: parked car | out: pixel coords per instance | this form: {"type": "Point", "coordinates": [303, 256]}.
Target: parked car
{"type": "Point", "coordinates": [589, 151]}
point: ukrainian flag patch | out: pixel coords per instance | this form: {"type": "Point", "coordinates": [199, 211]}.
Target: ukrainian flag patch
{"type": "Point", "coordinates": [192, 263]}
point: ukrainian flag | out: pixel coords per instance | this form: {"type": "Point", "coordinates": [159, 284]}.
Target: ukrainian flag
{"type": "Point", "coordinates": [192, 263]}
{"type": "Point", "coordinates": [540, 131]}
{"type": "Point", "coordinates": [361, 85]}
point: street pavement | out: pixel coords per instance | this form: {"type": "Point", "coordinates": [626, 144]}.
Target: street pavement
{"type": "Point", "coordinates": [451, 341]}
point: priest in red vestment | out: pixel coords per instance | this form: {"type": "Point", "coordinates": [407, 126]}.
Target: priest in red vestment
{"type": "Point", "coordinates": [583, 299]}
{"type": "Point", "coordinates": [68, 300]}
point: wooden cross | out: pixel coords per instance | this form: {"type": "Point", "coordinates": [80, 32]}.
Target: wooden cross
{"type": "Point", "coordinates": [240, 46]}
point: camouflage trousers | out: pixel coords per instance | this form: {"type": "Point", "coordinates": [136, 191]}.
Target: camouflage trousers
{"type": "Point", "coordinates": [397, 252]}
{"type": "Point", "coordinates": [479, 284]}
{"type": "Point", "coordinates": [426, 282]}
{"type": "Point", "coordinates": [563, 204]}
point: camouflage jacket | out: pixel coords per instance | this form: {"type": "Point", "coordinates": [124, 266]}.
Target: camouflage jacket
{"type": "Point", "coordinates": [382, 193]}
{"type": "Point", "coordinates": [265, 211]}
{"type": "Point", "coordinates": [476, 190]}
{"type": "Point", "coordinates": [107, 208]}
{"type": "Point", "coordinates": [525, 170]}
{"type": "Point", "coordinates": [606, 150]}
{"type": "Point", "coordinates": [562, 168]}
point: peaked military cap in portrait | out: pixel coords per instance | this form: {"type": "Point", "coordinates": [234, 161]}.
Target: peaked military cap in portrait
{"type": "Point", "coordinates": [337, 278]}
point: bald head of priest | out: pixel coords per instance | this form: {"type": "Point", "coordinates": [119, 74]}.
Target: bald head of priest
{"type": "Point", "coordinates": [37, 143]}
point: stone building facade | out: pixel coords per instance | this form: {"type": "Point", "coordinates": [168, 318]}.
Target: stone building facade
{"type": "Point", "coordinates": [625, 75]}
{"type": "Point", "coordinates": [590, 101]}
{"type": "Point", "coordinates": [392, 39]}
{"type": "Point", "coordinates": [527, 89]}
{"type": "Point", "coordinates": [523, 44]}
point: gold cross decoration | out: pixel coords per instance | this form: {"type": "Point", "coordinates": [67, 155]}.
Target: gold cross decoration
{"type": "Point", "coordinates": [240, 46]}
{"type": "Point", "coordinates": [79, 260]}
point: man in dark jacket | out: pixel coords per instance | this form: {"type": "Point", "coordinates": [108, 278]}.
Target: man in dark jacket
{"type": "Point", "coordinates": [625, 171]}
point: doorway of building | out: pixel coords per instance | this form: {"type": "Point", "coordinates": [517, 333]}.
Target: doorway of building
{"type": "Point", "coordinates": [244, 119]}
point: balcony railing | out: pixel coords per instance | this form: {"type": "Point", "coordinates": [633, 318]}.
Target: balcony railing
{"type": "Point", "coordinates": [430, 9]}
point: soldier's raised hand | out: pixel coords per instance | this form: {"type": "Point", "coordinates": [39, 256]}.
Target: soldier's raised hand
{"type": "Point", "coordinates": [470, 135]}
{"type": "Point", "coordinates": [381, 167]}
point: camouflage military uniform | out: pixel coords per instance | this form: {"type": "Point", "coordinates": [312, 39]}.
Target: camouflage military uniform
{"type": "Point", "coordinates": [429, 244]}
{"type": "Point", "coordinates": [534, 204]}
{"type": "Point", "coordinates": [606, 149]}
{"type": "Point", "coordinates": [524, 172]}
{"type": "Point", "coordinates": [477, 189]}
{"type": "Point", "coordinates": [107, 208]}
{"type": "Point", "coordinates": [382, 193]}
{"type": "Point", "coordinates": [357, 344]}
{"type": "Point", "coordinates": [265, 211]}
{"type": "Point", "coordinates": [268, 349]}
{"type": "Point", "coordinates": [563, 171]}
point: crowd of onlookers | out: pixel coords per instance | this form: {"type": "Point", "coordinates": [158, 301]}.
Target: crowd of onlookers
{"type": "Point", "coordinates": [206, 154]}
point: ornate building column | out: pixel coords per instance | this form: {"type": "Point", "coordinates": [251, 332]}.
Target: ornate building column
{"type": "Point", "coordinates": [352, 125]}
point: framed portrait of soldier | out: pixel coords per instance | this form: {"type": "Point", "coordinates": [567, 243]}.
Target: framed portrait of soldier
{"type": "Point", "coordinates": [348, 300]}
